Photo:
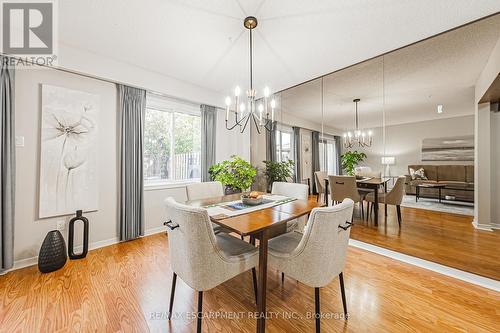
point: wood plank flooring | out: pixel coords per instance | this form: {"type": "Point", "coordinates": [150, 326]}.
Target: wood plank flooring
{"type": "Point", "coordinates": [125, 288]}
{"type": "Point", "coordinates": [448, 239]}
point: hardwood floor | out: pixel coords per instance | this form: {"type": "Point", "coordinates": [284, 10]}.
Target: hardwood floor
{"type": "Point", "coordinates": [126, 288]}
{"type": "Point", "coordinates": [448, 239]}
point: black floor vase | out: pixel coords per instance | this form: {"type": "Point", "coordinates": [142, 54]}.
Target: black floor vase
{"type": "Point", "coordinates": [52, 254]}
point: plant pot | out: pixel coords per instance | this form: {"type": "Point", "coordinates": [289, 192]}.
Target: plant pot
{"type": "Point", "coordinates": [229, 190]}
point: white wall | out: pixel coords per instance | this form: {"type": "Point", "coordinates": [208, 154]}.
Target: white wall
{"type": "Point", "coordinates": [405, 142]}
{"type": "Point", "coordinates": [495, 168]}
{"type": "Point", "coordinates": [104, 229]}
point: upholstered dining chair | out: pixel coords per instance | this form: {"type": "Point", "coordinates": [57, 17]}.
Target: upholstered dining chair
{"type": "Point", "coordinates": [200, 258]}
{"type": "Point", "coordinates": [393, 197]}
{"type": "Point", "coordinates": [319, 180]}
{"type": "Point", "coordinates": [342, 187]}
{"type": "Point", "coordinates": [316, 257]}
{"type": "Point", "coordinates": [293, 190]}
{"type": "Point", "coordinates": [206, 190]}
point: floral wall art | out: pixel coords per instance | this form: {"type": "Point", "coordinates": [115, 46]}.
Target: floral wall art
{"type": "Point", "coordinates": [68, 159]}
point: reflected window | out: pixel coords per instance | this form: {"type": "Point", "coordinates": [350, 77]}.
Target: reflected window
{"type": "Point", "coordinates": [328, 155]}
{"type": "Point", "coordinates": [284, 145]}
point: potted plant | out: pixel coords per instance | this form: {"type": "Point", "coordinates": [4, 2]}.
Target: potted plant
{"type": "Point", "coordinates": [278, 172]}
{"type": "Point", "coordinates": [236, 175]}
{"type": "Point", "coordinates": [350, 160]}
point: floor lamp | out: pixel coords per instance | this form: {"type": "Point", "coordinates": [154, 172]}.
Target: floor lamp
{"type": "Point", "coordinates": [388, 161]}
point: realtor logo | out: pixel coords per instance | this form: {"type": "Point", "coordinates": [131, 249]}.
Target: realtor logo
{"type": "Point", "coordinates": [28, 28]}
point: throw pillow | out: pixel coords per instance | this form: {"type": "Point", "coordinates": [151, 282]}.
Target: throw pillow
{"type": "Point", "coordinates": [418, 174]}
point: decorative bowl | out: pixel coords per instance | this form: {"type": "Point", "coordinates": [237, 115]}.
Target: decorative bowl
{"type": "Point", "coordinates": [245, 199]}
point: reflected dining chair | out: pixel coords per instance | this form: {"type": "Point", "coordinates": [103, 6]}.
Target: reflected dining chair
{"type": "Point", "coordinates": [206, 190]}
{"type": "Point", "coordinates": [293, 190]}
{"type": "Point", "coordinates": [316, 257]}
{"type": "Point", "coordinates": [319, 180]}
{"type": "Point", "coordinates": [200, 258]}
{"type": "Point", "coordinates": [393, 197]}
{"type": "Point", "coordinates": [342, 187]}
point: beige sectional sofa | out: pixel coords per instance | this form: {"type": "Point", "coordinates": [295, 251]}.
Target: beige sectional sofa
{"type": "Point", "coordinates": [459, 181]}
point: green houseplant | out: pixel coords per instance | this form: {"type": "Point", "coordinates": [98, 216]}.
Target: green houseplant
{"type": "Point", "coordinates": [350, 159]}
{"type": "Point", "coordinates": [235, 174]}
{"type": "Point", "coordinates": [278, 171]}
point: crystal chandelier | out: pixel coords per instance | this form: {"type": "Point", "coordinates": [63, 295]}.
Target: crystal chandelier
{"type": "Point", "coordinates": [246, 111]}
{"type": "Point", "coordinates": [357, 137]}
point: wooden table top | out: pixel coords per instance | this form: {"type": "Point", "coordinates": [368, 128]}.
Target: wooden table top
{"type": "Point", "coordinates": [256, 221]}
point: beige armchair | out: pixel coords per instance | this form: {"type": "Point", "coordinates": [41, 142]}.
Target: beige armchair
{"type": "Point", "coordinates": [342, 187]}
{"type": "Point", "coordinates": [393, 197]}
{"type": "Point", "coordinates": [200, 258]}
{"type": "Point", "coordinates": [205, 190]}
{"type": "Point", "coordinates": [303, 256]}
{"type": "Point", "coordinates": [319, 179]}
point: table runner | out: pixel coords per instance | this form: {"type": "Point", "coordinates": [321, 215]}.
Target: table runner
{"type": "Point", "coordinates": [236, 207]}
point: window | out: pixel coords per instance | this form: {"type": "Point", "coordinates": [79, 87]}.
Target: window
{"type": "Point", "coordinates": [172, 141]}
{"type": "Point", "coordinates": [328, 156]}
{"type": "Point", "coordinates": [284, 145]}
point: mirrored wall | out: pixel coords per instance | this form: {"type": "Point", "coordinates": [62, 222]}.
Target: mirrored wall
{"type": "Point", "coordinates": [411, 112]}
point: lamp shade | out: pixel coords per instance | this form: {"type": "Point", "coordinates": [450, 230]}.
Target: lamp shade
{"type": "Point", "coordinates": [388, 160]}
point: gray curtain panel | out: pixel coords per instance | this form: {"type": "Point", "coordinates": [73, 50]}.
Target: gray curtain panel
{"type": "Point", "coordinates": [132, 107]}
{"type": "Point", "coordinates": [338, 153]}
{"type": "Point", "coordinates": [208, 133]}
{"type": "Point", "coordinates": [271, 144]}
{"type": "Point", "coordinates": [7, 165]}
{"type": "Point", "coordinates": [296, 154]}
{"type": "Point", "coordinates": [315, 159]}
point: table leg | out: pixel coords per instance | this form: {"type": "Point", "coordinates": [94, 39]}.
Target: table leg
{"type": "Point", "coordinates": [326, 192]}
{"type": "Point", "coordinates": [261, 296]}
{"type": "Point", "coordinates": [375, 206]}
{"type": "Point", "coordinates": [385, 204]}
{"type": "Point", "coordinates": [417, 193]}
{"type": "Point", "coordinates": [439, 194]}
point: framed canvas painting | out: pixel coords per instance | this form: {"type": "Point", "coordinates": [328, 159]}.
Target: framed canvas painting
{"type": "Point", "coordinates": [68, 157]}
{"type": "Point", "coordinates": [456, 148]}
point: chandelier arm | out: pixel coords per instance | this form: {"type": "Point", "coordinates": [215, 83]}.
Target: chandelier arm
{"type": "Point", "coordinates": [239, 122]}
{"type": "Point", "coordinates": [246, 123]}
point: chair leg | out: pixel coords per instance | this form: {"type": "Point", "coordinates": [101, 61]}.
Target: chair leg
{"type": "Point", "coordinates": [282, 278]}
{"type": "Point", "coordinates": [242, 238]}
{"type": "Point", "coordinates": [362, 210]}
{"type": "Point", "coordinates": [200, 314]}
{"type": "Point", "coordinates": [398, 209]}
{"type": "Point", "coordinates": [342, 291]}
{"type": "Point", "coordinates": [172, 293]}
{"type": "Point", "coordinates": [317, 310]}
{"type": "Point", "coordinates": [254, 279]}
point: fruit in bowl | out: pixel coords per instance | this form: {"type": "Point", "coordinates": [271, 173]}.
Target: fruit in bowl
{"type": "Point", "coordinates": [253, 198]}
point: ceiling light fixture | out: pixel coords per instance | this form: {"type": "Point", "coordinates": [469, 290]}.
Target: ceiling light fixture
{"type": "Point", "coordinates": [259, 115]}
{"type": "Point", "coordinates": [357, 137]}
{"type": "Point", "coordinates": [440, 108]}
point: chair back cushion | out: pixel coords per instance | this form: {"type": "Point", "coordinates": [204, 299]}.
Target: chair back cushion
{"type": "Point", "coordinates": [198, 191]}
{"type": "Point", "coordinates": [192, 246]}
{"type": "Point", "coordinates": [319, 178]}
{"type": "Point", "coordinates": [395, 196]}
{"type": "Point", "coordinates": [293, 190]}
{"type": "Point", "coordinates": [342, 187]}
{"type": "Point", "coordinates": [320, 255]}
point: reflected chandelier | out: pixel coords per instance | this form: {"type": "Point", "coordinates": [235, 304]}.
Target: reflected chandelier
{"type": "Point", "coordinates": [246, 110]}
{"type": "Point", "coordinates": [357, 137]}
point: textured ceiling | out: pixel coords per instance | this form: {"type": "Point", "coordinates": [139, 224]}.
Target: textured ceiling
{"type": "Point", "coordinates": [440, 70]}
{"type": "Point", "coordinates": [204, 43]}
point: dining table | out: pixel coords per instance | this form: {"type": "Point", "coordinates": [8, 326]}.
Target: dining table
{"type": "Point", "coordinates": [261, 224]}
{"type": "Point", "coordinates": [366, 183]}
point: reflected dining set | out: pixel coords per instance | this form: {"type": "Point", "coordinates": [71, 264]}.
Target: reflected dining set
{"type": "Point", "coordinates": [366, 186]}
{"type": "Point", "coordinates": [289, 231]}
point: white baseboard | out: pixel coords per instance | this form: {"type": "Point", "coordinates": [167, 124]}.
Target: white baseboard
{"type": "Point", "coordinates": [480, 226]}
{"type": "Point", "coordinates": [438, 268]}
{"type": "Point", "coordinates": [495, 226]}
{"type": "Point", "coordinates": [18, 264]}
